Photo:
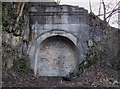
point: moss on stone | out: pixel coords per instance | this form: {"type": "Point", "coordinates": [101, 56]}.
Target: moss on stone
{"type": "Point", "coordinates": [91, 60]}
{"type": "Point", "coordinates": [21, 64]}
{"type": "Point", "coordinates": [11, 60]}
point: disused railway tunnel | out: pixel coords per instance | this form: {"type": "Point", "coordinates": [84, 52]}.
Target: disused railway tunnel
{"type": "Point", "coordinates": [59, 36]}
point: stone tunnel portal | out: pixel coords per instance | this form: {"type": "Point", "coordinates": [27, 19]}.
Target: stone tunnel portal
{"type": "Point", "coordinates": [57, 56]}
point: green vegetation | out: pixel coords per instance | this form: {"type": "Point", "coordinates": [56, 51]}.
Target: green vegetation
{"type": "Point", "coordinates": [91, 60]}
{"type": "Point", "coordinates": [14, 17]}
{"type": "Point", "coordinates": [21, 65]}
{"type": "Point", "coordinates": [11, 60]}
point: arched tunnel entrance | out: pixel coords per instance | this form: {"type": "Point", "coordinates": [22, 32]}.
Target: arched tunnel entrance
{"type": "Point", "coordinates": [57, 56]}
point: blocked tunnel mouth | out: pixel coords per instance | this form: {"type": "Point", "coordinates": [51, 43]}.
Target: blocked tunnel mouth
{"type": "Point", "coordinates": [57, 56]}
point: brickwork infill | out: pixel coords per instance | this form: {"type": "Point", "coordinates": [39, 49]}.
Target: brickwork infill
{"type": "Point", "coordinates": [56, 57]}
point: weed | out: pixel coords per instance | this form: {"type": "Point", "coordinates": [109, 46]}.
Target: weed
{"type": "Point", "coordinates": [21, 64]}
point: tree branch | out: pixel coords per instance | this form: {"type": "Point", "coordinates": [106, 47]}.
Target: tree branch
{"type": "Point", "coordinates": [99, 8]}
{"type": "Point", "coordinates": [114, 9]}
{"type": "Point", "coordinates": [109, 12]}
{"type": "Point", "coordinates": [104, 9]}
{"type": "Point", "coordinates": [20, 14]}
{"type": "Point", "coordinates": [90, 5]}
{"type": "Point", "coordinates": [112, 13]}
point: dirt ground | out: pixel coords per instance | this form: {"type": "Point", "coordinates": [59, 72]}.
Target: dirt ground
{"type": "Point", "coordinates": [94, 76]}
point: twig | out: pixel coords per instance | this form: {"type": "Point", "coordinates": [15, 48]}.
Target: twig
{"type": "Point", "coordinates": [90, 5]}
{"type": "Point", "coordinates": [100, 7]}
{"type": "Point", "coordinates": [114, 10]}
{"type": "Point", "coordinates": [109, 12]}
{"type": "Point", "coordinates": [104, 9]}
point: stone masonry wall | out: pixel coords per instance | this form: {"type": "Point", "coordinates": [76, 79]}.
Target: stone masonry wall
{"type": "Point", "coordinates": [60, 37]}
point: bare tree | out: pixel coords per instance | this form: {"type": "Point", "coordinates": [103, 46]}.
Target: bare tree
{"type": "Point", "coordinates": [107, 14]}
{"type": "Point", "coordinates": [19, 12]}
{"type": "Point", "coordinates": [99, 8]}
{"type": "Point", "coordinates": [107, 11]}
{"type": "Point", "coordinates": [104, 9]}
{"type": "Point", "coordinates": [90, 6]}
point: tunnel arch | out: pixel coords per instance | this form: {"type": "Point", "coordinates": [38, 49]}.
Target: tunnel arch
{"type": "Point", "coordinates": [51, 33]}
{"type": "Point", "coordinates": [33, 49]}
{"type": "Point", "coordinates": [56, 50]}
{"type": "Point", "coordinates": [69, 40]}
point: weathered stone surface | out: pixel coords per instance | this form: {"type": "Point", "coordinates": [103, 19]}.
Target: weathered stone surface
{"type": "Point", "coordinates": [57, 57]}
{"type": "Point", "coordinates": [50, 25]}
{"type": "Point", "coordinates": [58, 38]}
{"type": "Point", "coordinates": [66, 21]}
